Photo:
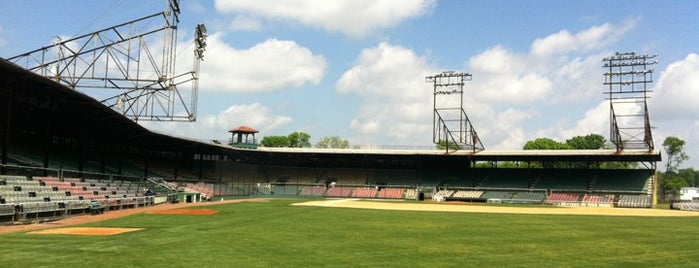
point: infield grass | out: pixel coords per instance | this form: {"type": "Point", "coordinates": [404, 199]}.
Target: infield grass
{"type": "Point", "coordinates": [275, 234]}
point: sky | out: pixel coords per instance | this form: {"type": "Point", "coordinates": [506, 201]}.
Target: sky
{"type": "Point", "coordinates": [356, 68]}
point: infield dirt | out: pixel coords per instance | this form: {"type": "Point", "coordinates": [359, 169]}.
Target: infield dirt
{"type": "Point", "coordinates": [479, 208]}
{"type": "Point", "coordinates": [113, 214]}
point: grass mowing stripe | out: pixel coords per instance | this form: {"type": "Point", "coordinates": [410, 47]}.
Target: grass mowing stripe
{"type": "Point", "coordinates": [277, 234]}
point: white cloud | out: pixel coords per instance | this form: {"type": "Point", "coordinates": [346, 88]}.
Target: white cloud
{"type": "Point", "coordinates": [396, 106]}
{"type": "Point", "coordinates": [254, 115]}
{"type": "Point", "coordinates": [559, 68]}
{"type": "Point", "coordinates": [675, 95]}
{"type": "Point", "coordinates": [268, 66]}
{"type": "Point", "coordinates": [509, 131]}
{"type": "Point", "coordinates": [216, 126]}
{"type": "Point", "coordinates": [386, 70]}
{"type": "Point", "coordinates": [355, 18]}
{"type": "Point", "coordinates": [595, 121]}
{"type": "Point", "coordinates": [589, 39]}
{"type": "Point", "coordinates": [501, 76]}
{"type": "Point", "coordinates": [578, 78]}
{"type": "Point", "coordinates": [496, 60]}
{"type": "Point", "coordinates": [245, 23]}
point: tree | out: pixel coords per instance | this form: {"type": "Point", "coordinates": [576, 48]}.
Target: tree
{"type": "Point", "coordinates": [299, 140]}
{"type": "Point", "coordinates": [333, 142]}
{"type": "Point", "coordinates": [275, 141]}
{"type": "Point", "coordinates": [672, 181]}
{"type": "Point", "coordinates": [545, 144]}
{"type": "Point", "coordinates": [672, 185]}
{"type": "Point", "coordinates": [674, 147]}
{"type": "Point", "coordinates": [690, 176]}
{"type": "Point", "coordinates": [589, 142]}
{"type": "Point", "coordinates": [294, 140]}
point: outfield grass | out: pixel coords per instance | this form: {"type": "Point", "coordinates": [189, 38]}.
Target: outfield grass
{"type": "Point", "coordinates": [275, 234]}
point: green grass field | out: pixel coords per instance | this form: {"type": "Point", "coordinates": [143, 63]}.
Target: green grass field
{"type": "Point", "coordinates": [275, 234]}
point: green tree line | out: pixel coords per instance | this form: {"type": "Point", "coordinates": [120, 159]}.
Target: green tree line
{"type": "Point", "coordinates": [302, 140]}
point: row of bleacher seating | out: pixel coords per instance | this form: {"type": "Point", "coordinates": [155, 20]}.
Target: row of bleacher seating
{"type": "Point", "coordinates": [497, 195]}
{"type": "Point", "coordinates": [487, 179]}
{"type": "Point", "coordinates": [598, 198]}
{"type": "Point", "coordinates": [635, 201]}
{"type": "Point", "coordinates": [87, 188]}
{"type": "Point", "coordinates": [33, 197]}
{"type": "Point", "coordinates": [22, 198]}
{"type": "Point", "coordinates": [359, 192]}
{"type": "Point", "coordinates": [533, 197]}
{"type": "Point", "coordinates": [392, 193]}
{"type": "Point", "coordinates": [37, 209]}
{"type": "Point", "coordinates": [467, 194]}
{"type": "Point", "coordinates": [339, 191]}
{"type": "Point", "coordinates": [367, 192]}
{"type": "Point", "coordinates": [410, 193]}
{"type": "Point", "coordinates": [20, 189]}
{"type": "Point", "coordinates": [631, 201]}
{"type": "Point", "coordinates": [574, 179]}
{"type": "Point", "coordinates": [563, 198]}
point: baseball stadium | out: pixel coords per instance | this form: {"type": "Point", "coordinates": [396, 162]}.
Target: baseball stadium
{"type": "Point", "coordinates": [83, 184]}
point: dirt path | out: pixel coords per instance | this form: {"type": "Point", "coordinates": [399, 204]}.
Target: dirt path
{"type": "Point", "coordinates": [113, 214]}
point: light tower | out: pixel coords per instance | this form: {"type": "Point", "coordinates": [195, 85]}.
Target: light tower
{"type": "Point", "coordinates": [628, 76]}
{"type": "Point", "coordinates": [117, 66]}
{"type": "Point", "coordinates": [451, 126]}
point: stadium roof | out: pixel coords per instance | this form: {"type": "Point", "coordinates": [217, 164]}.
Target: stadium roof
{"type": "Point", "coordinates": [37, 104]}
{"type": "Point", "coordinates": [495, 155]}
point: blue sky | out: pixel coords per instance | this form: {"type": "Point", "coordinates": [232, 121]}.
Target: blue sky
{"type": "Point", "coordinates": [356, 68]}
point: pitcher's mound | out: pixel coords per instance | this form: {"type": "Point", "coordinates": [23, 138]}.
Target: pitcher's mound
{"type": "Point", "coordinates": [185, 211]}
{"type": "Point", "coordinates": [86, 231]}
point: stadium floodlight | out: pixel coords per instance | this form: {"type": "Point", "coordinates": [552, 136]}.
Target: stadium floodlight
{"type": "Point", "coordinates": [450, 122]}
{"type": "Point", "coordinates": [200, 41]}
{"type": "Point", "coordinates": [628, 76]}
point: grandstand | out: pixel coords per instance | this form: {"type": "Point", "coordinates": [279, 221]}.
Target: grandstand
{"type": "Point", "coordinates": [61, 148]}
{"type": "Point", "coordinates": [23, 198]}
